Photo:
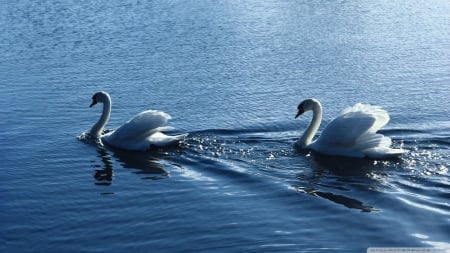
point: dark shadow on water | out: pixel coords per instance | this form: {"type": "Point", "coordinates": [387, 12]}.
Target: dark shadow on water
{"type": "Point", "coordinates": [342, 175]}
{"type": "Point", "coordinates": [337, 198]}
{"type": "Point", "coordinates": [347, 166]}
{"type": "Point", "coordinates": [146, 164]}
{"type": "Point", "coordinates": [343, 166]}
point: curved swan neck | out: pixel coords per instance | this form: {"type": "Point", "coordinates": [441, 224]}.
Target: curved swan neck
{"type": "Point", "coordinates": [307, 137]}
{"type": "Point", "coordinates": [96, 130]}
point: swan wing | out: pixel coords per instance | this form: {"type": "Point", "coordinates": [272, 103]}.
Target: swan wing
{"type": "Point", "coordinates": [354, 126]}
{"type": "Point", "coordinates": [141, 126]}
{"type": "Point", "coordinates": [354, 133]}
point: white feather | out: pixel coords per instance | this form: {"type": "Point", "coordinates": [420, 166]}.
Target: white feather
{"type": "Point", "coordinates": [139, 133]}
{"type": "Point", "coordinates": [353, 133]}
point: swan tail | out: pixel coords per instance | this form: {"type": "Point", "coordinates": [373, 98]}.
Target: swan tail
{"type": "Point", "coordinates": [378, 146]}
{"type": "Point", "coordinates": [370, 140]}
{"type": "Point", "coordinates": [160, 139]}
{"type": "Point", "coordinates": [384, 152]}
{"type": "Point", "coordinates": [151, 132]}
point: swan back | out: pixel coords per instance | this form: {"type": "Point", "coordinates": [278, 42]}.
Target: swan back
{"type": "Point", "coordinates": [140, 126]}
{"type": "Point", "coordinates": [379, 115]}
{"type": "Point", "coordinates": [360, 120]}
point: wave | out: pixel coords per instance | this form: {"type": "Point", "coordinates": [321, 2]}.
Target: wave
{"type": "Point", "coordinates": [262, 159]}
{"type": "Point", "coordinates": [253, 154]}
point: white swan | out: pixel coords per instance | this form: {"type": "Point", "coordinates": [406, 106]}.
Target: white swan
{"type": "Point", "coordinates": [139, 133]}
{"type": "Point", "coordinates": [352, 133]}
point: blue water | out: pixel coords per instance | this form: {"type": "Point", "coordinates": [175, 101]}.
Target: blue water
{"type": "Point", "coordinates": [231, 73]}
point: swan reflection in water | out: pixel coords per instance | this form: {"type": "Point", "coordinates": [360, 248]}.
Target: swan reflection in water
{"type": "Point", "coordinates": [104, 175]}
{"type": "Point", "coordinates": [332, 174]}
{"type": "Point", "coordinates": [144, 164]}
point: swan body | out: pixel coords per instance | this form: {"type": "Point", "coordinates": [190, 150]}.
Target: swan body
{"type": "Point", "coordinates": [139, 133]}
{"type": "Point", "coordinates": [353, 133]}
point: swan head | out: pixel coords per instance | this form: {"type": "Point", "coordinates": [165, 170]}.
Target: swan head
{"type": "Point", "coordinates": [99, 97]}
{"type": "Point", "coordinates": [307, 105]}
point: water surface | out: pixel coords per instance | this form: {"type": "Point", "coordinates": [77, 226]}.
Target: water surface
{"type": "Point", "coordinates": [231, 74]}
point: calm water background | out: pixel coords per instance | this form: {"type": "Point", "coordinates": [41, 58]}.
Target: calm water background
{"type": "Point", "coordinates": [231, 73]}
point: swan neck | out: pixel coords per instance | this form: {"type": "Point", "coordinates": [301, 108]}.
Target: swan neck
{"type": "Point", "coordinates": [314, 125]}
{"type": "Point", "coordinates": [97, 129]}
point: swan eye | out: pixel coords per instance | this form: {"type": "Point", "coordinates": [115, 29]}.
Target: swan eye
{"type": "Point", "coordinates": [300, 106]}
{"type": "Point", "coordinates": [94, 100]}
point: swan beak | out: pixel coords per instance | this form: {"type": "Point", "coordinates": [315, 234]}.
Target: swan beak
{"type": "Point", "coordinates": [94, 102]}
{"type": "Point", "coordinates": [300, 112]}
